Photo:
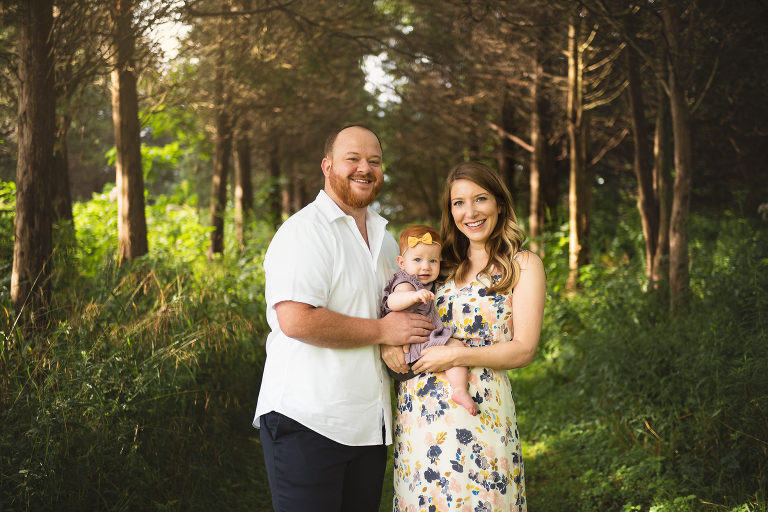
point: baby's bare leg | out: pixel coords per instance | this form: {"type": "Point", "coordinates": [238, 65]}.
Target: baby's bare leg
{"type": "Point", "coordinates": [458, 376]}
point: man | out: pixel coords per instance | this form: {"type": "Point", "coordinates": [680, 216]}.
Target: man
{"type": "Point", "coordinates": [324, 408]}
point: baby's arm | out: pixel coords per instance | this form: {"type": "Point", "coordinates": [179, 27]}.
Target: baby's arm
{"type": "Point", "coordinates": [405, 295]}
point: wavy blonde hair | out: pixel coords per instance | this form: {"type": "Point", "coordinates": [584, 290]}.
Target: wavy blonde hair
{"type": "Point", "coordinates": [504, 242]}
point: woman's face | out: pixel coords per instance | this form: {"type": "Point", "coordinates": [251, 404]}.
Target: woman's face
{"type": "Point", "coordinates": [475, 211]}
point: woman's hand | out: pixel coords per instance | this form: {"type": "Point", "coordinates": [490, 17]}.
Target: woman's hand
{"type": "Point", "coordinates": [437, 359]}
{"type": "Point", "coordinates": [394, 357]}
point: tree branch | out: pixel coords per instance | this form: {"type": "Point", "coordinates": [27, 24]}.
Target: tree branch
{"type": "Point", "coordinates": [504, 133]}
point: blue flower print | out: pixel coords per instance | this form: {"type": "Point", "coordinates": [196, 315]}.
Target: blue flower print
{"type": "Point", "coordinates": [406, 404]}
{"type": "Point", "coordinates": [463, 435]}
{"type": "Point", "coordinates": [433, 389]}
{"type": "Point", "coordinates": [433, 453]}
{"type": "Point", "coordinates": [483, 507]}
{"type": "Point", "coordinates": [477, 325]}
{"type": "Point", "coordinates": [430, 475]}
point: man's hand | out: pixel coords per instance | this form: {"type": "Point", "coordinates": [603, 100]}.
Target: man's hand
{"type": "Point", "coordinates": [394, 357]}
{"type": "Point", "coordinates": [402, 327]}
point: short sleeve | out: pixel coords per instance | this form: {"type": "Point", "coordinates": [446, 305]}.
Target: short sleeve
{"type": "Point", "coordinates": [400, 276]}
{"type": "Point", "coordinates": [299, 263]}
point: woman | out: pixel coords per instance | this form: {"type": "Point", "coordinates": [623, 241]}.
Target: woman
{"type": "Point", "coordinates": [493, 298]}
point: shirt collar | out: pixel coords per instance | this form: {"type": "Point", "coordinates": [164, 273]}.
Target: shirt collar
{"type": "Point", "coordinates": [333, 211]}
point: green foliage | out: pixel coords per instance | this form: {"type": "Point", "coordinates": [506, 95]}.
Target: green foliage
{"type": "Point", "coordinates": [7, 211]}
{"type": "Point", "coordinates": [141, 393]}
{"type": "Point", "coordinates": [631, 409]}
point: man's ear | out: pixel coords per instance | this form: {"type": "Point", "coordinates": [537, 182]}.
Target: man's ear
{"type": "Point", "coordinates": [325, 165]}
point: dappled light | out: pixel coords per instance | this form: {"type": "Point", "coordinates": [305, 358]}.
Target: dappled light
{"type": "Point", "coordinates": [149, 151]}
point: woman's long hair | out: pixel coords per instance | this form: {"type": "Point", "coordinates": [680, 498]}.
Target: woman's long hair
{"type": "Point", "coordinates": [504, 242]}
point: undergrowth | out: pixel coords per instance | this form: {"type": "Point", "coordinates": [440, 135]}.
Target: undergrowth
{"type": "Point", "coordinates": [140, 394]}
{"type": "Point", "coordinates": [629, 408]}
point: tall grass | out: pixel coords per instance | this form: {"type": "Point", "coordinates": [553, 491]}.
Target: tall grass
{"type": "Point", "coordinates": [627, 408]}
{"type": "Point", "coordinates": [140, 394]}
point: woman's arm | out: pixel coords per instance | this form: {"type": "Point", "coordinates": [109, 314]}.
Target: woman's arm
{"type": "Point", "coordinates": [405, 295]}
{"type": "Point", "coordinates": [527, 314]}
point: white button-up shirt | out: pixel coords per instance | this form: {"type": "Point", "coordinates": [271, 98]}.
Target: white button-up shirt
{"type": "Point", "coordinates": [319, 257]}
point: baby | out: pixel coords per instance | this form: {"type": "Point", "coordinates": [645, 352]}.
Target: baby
{"type": "Point", "coordinates": [412, 288]}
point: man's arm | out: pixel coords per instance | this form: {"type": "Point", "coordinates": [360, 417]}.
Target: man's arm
{"type": "Point", "coordinates": [325, 328]}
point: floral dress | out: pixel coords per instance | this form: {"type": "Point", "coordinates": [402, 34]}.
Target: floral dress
{"type": "Point", "coordinates": [444, 458]}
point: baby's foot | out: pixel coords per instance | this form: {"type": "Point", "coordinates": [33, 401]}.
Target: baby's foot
{"type": "Point", "coordinates": [461, 397]}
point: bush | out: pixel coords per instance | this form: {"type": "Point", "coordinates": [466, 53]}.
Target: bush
{"type": "Point", "coordinates": [141, 393]}
{"type": "Point", "coordinates": [674, 409]}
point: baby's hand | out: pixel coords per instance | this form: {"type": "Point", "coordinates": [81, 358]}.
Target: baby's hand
{"type": "Point", "coordinates": [425, 296]}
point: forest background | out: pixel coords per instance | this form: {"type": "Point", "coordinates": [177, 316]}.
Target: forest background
{"type": "Point", "coordinates": [139, 190]}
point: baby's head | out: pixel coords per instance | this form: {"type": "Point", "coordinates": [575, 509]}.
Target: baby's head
{"type": "Point", "coordinates": [420, 248]}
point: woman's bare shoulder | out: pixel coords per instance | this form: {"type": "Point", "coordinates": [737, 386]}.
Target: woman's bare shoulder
{"type": "Point", "coordinates": [528, 259]}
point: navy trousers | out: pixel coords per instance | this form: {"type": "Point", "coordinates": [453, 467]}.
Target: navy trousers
{"type": "Point", "coordinates": [309, 472]}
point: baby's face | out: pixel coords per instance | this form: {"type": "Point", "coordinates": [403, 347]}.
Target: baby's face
{"type": "Point", "coordinates": [423, 261]}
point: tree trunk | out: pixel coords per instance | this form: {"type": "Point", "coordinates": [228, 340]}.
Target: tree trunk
{"type": "Point", "coordinates": [662, 189]}
{"type": "Point", "coordinates": [579, 186]}
{"type": "Point", "coordinates": [275, 193]}
{"type": "Point", "coordinates": [506, 161]}
{"type": "Point", "coordinates": [30, 287]}
{"type": "Point", "coordinates": [243, 186]}
{"type": "Point", "coordinates": [646, 201]}
{"type": "Point", "coordinates": [131, 218]}
{"type": "Point", "coordinates": [220, 165]}
{"type": "Point", "coordinates": [538, 141]}
{"type": "Point", "coordinates": [299, 199]}
{"type": "Point", "coordinates": [681, 191]}
{"type": "Point", "coordinates": [61, 198]}
{"type": "Point", "coordinates": [585, 193]}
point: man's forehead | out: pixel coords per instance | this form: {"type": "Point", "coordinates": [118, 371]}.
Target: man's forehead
{"type": "Point", "coordinates": [353, 139]}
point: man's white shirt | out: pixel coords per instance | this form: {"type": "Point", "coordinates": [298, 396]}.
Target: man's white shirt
{"type": "Point", "coordinates": [318, 257]}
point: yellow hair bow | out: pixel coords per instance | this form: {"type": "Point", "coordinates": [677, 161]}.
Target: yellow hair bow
{"type": "Point", "coordinates": [425, 239]}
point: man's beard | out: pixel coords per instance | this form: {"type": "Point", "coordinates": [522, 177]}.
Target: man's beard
{"type": "Point", "coordinates": [341, 187]}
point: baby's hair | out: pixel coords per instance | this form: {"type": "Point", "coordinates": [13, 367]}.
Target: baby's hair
{"type": "Point", "coordinates": [418, 230]}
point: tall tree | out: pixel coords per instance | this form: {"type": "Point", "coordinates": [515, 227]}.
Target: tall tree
{"type": "Point", "coordinates": [131, 217]}
{"type": "Point", "coordinates": [647, 201]}
{"type": "Point", "coordinates": [578, 127]}
{"type": "Point", "coordinates": [223, 141]}
{"type": "Point", "coordinates": [243, 184]}
{"type": "Point", "coordinates": [78, 34]}
{"type": "Point", "coordinates": [681, 193]}
{"type": "Point", "coordinates": [662, 188]}
{"type": "Point", "coordinates": [30, 287]}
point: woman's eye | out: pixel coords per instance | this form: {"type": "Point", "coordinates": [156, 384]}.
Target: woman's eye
{"type": "Point", "coordinates": [457, 203]}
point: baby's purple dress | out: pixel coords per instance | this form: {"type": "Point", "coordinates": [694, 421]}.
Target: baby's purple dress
{"type": "Point", "coordinates": [438, 337]}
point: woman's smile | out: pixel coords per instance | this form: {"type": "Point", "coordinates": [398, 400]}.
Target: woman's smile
{"type": "Point", "coordinates": [474, 209]}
